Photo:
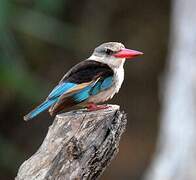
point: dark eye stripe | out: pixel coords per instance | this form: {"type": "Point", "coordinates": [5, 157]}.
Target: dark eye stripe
{"type": "Point", "coordinates": [109, 51]}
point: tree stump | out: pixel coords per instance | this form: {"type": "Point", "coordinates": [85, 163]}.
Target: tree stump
{"type": "Point", "coordinates": [79, 145]}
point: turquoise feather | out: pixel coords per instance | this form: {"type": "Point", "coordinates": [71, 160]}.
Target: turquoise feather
{"type": "Point", "coordinates": [60, 89]}
{"type": "Point", "coordinates": [52, 99]}
{"type": "Point", "coordinates": [93, 89]}
{"type": "Point", "coordinates": [45, 105]}
{"type": "Point", "coordinates": [107, 83]}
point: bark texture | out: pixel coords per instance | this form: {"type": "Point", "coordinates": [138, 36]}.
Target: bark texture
{"type": "Point", "coordinates": [79, 145]}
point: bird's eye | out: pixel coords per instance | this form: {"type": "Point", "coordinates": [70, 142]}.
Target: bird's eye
{"type": "Point", "coordinates": [108, 51]}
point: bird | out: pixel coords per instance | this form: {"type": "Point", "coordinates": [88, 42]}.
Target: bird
{"type": "Point", "coordinates": [89, 83]}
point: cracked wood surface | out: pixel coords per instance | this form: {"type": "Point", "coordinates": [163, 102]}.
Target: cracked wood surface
{"type": "Point", "coordinates": [79, 145]}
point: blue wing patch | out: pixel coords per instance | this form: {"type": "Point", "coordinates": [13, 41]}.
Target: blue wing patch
{"type": "Point", "coordinates": [82, 95]}
{"type": "Point", "coordinates": [94, 89]}
{"type": "Point", "coordinates": [60, 89]}
{"type": "Point", "coordinates": [107, 83]}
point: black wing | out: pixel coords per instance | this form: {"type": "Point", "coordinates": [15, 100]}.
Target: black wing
{"type": "Point", "coordinates": [87, 71]}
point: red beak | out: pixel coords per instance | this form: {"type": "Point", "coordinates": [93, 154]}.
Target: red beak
{"type": "Point", "coordinates": [127, 53]}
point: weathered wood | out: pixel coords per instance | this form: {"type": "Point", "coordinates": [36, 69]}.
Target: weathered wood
{"type": "Point", "coordinates": [79, 145]}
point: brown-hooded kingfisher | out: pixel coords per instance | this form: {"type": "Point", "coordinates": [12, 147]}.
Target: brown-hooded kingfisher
{"type": "Point", "coordinates": [90, 82]}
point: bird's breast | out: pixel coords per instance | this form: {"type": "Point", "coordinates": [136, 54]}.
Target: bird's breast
{"type": "Point", "coordinates": [118, 77]}
{"type": "Point", "coordinates": [110, 92]}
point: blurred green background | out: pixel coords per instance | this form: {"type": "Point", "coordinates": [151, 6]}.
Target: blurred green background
{"type": "Point", "coordinates": [41, 39]}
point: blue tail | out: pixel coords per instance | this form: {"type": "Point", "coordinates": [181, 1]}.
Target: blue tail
{"type": "Point", "coordinates": [45, 105]}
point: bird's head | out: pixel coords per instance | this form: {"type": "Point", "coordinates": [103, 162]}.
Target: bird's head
{"type": "Point", "coordinates": [113, 54]}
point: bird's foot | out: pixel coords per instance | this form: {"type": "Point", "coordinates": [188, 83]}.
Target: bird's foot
{"type": "Point", "coordinates": [94, 107]}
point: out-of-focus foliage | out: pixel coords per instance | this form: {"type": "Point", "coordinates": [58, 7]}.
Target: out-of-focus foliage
{"type": "Point", "coordinates": [13, 73]}
{"type": "Point", "coordinates": [41, 39]}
